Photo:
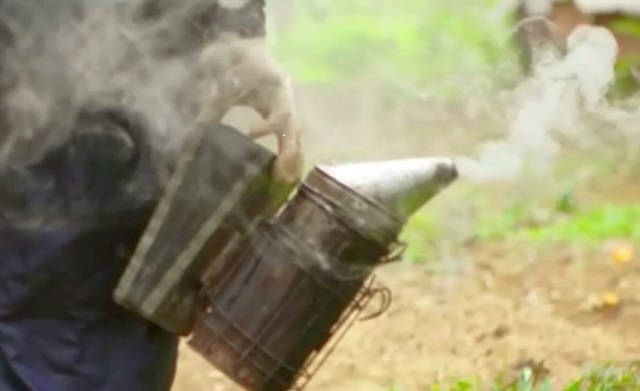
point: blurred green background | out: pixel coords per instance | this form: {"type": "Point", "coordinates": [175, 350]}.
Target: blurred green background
{"type": "Point", "coordinates": [417, 41]}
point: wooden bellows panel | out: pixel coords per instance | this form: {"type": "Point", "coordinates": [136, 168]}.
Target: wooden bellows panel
{"type": "Point", "coordinates": [221, 186]}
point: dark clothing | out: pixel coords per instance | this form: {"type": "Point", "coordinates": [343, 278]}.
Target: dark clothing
{"type": "Point", "coordinates": [67, 226]}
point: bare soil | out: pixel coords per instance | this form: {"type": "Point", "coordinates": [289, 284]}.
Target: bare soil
{"type": "Point", "coordinates": [499, 308]}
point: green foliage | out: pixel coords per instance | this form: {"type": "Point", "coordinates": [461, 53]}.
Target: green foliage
{"type": "Point", "coordinates": [610, 378]}
{"type": "Point", "coordinates": [626, 26]}
{"type": "Point", "coordinates": [607, 378]}
{"type": "Point", "coordinates": [415, 40]}
{"type": "Point", "coordinates": [421, 236]}
{"type": "Point", "coordinates": [588, 226]}
{"type": "Point", "coordinates": [498, 225]}
{"type": "Point", "coordinates": [625, 84]}
{"type": "Point", "coordinates": [561, 222]}
{"type": "Point", "coordinates": [599, 223]}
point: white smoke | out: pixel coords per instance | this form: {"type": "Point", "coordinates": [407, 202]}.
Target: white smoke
{"type": "Point", "coordinates": [631, 7]}
{"type": "Point", "coordinates": [69, 53]}
{"type": "Point", "coordinates": [551, 102]}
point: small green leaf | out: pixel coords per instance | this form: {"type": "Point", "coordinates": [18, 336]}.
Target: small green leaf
{"type": "Point", "coordinates": [575, 386]}
{"type": "Point", "coordinates": [626, 26]}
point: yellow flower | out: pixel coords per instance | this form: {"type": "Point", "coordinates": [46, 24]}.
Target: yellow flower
{"type": "Point", "coordinates": [622, 255]}
{"type": "Point", "coordinates": [610, 299]}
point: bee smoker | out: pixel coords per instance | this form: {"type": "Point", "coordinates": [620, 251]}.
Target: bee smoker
{"type": "Point", "coordinates": [220, 187]}
{"type": "Point", "coordinates": [293, 285]}
{"type": "Point", "coordinates": [264, 287]}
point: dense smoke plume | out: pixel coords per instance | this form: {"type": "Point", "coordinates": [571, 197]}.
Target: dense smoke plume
{"type": "Point", "coordinates": [58, 57]}
{"type": "Point", "coordinates": [554, 100]}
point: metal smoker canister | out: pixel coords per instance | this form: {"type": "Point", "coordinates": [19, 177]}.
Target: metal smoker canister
{"type": "Point", "coordinates": [290, 286]}
{"type": "Point", "coordinates": [221, 186]}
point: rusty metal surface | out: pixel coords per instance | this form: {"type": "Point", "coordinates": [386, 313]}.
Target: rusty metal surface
{"type": "Point", "coordinates": [221, 186]}
{"type": "Point", "coordinates": [274, 311]}
{"type": "Point", "coordinates": [281, 295]}
{"type": "Point", "coordinates": [363, 214]}
{"type": "Point", "coordinates": [336, 247]}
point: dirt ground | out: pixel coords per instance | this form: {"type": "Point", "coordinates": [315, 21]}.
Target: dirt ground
{"type": "Point", "coordinates": [492, 310]}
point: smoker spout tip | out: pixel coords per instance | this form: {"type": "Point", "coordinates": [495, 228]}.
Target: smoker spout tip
{"type": "Point", "coordinates": [403, 186]}
{"type": "Point", "coordinates": [446, 170]}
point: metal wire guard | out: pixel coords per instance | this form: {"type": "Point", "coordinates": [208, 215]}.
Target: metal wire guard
{"type": "Point", "coordinates": [273, 322]}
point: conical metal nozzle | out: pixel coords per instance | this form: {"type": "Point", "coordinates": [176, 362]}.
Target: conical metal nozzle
{"type": "Point", "coordinates": [403, 185]}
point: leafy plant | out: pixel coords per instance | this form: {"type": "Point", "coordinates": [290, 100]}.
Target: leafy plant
{"type": "Point", "coordinates": [413, 40]}
{"type": "Point", "coordinates": [607, 378]}
{"type": "Point", "coordinates": [421, 235]}
{"type": "Point", "coordinates": [599, 223]}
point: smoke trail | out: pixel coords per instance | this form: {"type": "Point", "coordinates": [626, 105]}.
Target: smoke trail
{"type": "Point", "coordinates": [139, 54]}
{"type": "Point", "coordinates": [608, 6]}
{"type": "Point", "coordinates": [68, 54]}
{"type": "Point", "coordinates": [551, 102]}
{"type": "Point", "coordinates": [60, 59]}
